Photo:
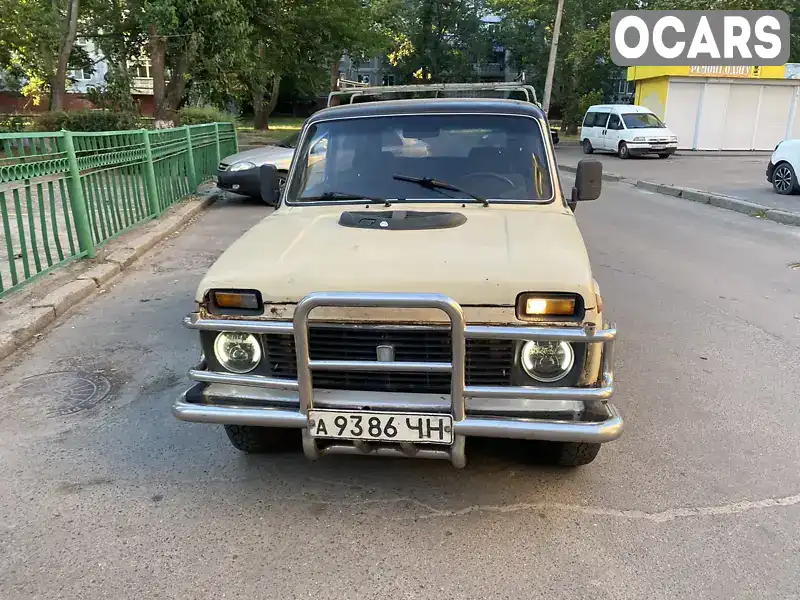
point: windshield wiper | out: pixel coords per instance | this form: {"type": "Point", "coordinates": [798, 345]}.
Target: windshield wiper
{"type": "Point", "coordinates": [341, 196]}
{"type": "Point", "coordinates": [435, 184]}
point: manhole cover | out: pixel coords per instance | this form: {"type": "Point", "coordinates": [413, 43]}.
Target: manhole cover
{"type": "Point", "coordinates": [68, 392]}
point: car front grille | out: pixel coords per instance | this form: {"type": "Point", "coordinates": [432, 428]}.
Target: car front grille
{"type": "Point", "coordinates": [488, 362]}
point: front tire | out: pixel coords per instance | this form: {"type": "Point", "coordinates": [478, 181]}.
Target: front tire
{"type": "Point", "coordinates": [261, 440]}
{"type": "Point", "coordinates": [784, 179]}
{"type": "Point", "coordinates": [623, 151]}
{"type": "Point", "coordinates": [587, 147]}
{"type": "Point", "coordinates": [574, 454]}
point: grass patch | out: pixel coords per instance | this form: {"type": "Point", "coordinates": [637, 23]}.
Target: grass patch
{"type": "Point", "coordinates": [279, 128]}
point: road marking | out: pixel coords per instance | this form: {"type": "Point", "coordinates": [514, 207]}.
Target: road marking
{"type": "Point", "coordinates": [670, 514]}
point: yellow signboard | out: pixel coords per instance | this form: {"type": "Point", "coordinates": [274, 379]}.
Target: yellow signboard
{"type": "Point", "coordinates": [738, 71]}
{"type": "Point", "coordinates": [640, 73]}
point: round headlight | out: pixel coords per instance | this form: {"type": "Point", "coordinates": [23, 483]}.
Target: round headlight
{"type": "Point", "coordinates": [547, 361]}
{"type": "Point", "coordinates": [242, 166]}
{"type": "Point", "coordinates": [237, 352]}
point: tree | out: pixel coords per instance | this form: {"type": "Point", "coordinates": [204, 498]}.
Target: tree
{"type": "Point", "coordinates": [583, 62]}
{"type": "Point", "coordinates": [435, 41]}
{"type": "Point", "coordinates": [115, 27]}
{"type": "Point", "coordinates": [302, 40]}
{"type": "Point", "coordinates": [38, 38]}
{"type": "Point", "coordinates": [193, 39]}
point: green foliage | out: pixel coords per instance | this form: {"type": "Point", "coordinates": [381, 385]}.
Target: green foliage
{"type": "Point", "coordinates": [87, 120]}
{"type": "Point", "coordinates": [115, 94]}
{"type": "Point", "coordinates": [574, 113]}
{"type": "Point", "coordinates": [197, 115]}
{"type": "Point", "coordinates": [204, 44]}
{"type": "Point", "coordinates": [31, 34]}
{"type": "Point", "coordinates": [13, 123]}
{"type": "Point", "coordinates": [435, 41]}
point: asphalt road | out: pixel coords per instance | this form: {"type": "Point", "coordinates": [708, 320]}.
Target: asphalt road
{"type": "Point", "coordinates": [742, 175]}
{"type": "Point", "coordinates": [700, 498]}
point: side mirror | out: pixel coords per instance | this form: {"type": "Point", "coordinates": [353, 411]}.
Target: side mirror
{"type": "Point", "coordinates": [588, 181]}
{"type": "Point", "coordinates": [270, 187]}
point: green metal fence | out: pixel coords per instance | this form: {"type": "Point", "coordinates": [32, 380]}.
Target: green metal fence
{"type": "Point", "coordinates": [64, 194]}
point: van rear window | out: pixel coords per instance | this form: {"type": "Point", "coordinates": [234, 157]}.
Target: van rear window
{"type": "Point", "coordinates": [588, 120]}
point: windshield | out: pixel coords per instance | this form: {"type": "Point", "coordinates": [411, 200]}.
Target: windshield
{"type": "Point", "coordinates": [642, 121]}
{"type": "Point", "coordinates": [485, 156]}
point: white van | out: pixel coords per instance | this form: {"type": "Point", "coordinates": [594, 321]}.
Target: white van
{"type": "Point", "coordinates": [626, 130]}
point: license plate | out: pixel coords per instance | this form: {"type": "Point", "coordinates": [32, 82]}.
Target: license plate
{"type": "Point", "coordinates": [659, 146]}
{"type": "Point", "coordinates": [381, 427]}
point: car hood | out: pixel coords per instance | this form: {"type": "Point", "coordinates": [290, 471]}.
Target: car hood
{"type": "Point", "coordinates": [652, 132]}
{"type": "Point", "coordinates": [273, 155]}
{"type": "Point", "coordinates": [499, 252]}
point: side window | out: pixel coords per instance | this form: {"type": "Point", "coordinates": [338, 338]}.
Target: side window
{"type": "Point", "coordinates": [588, 120]}
{"type": "Point", "coordinates": [314, 173]}
{"type": "Point", "coordinates": [614, 122]}
{"type": "Point", "coordinates": [600, 119]}
{"type": "Point", "coordinates": [320, 148]}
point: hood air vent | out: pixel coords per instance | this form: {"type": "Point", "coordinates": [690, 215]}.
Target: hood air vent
{"type": "Point", "coordinates": [401, 219]}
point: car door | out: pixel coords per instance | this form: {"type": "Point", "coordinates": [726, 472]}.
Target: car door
{"type": "Point", "coordinates": [599, 130]}
{"type": "Point", "coordinates": [613, 132]}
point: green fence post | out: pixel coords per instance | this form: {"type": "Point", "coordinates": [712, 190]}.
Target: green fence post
{"type": "Point", "coordinates": [150, 177]}
{"type": "Point", "coordinates": [216, 136]}
{"type": "Point", "coordinates": [190, 159]}
{"type": "Point", "coordinates": [76, 200]}
{"type": "Point", "coordinates": [235, 137]}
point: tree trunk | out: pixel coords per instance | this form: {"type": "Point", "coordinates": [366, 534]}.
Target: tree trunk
{"type": "Point", "coordinates": [335, 75]}
{"type": "Point", "coordinates": [259, 120]}
{"type": "Point", "coordinates": [177, 83]}
{"type": "Point", "coordinates": [58, 83]}
{"type": "Point", "coordinates": [262, 112]}
{"type": "Point", "coordinates": [158, 51]}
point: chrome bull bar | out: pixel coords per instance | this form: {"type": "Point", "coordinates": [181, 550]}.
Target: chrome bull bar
{"type": "Point", "coordinates": [609, 429]}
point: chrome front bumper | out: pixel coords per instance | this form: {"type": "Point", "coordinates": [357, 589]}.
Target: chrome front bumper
{"type": "Point", "coordinates": [298, 396]}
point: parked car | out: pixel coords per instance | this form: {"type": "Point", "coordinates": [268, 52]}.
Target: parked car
{"type": "Point", "coordinates": [296, 342]}
{"type": "Point", "coordinates": [783, 167]}
{"type": "Point", "coordinates": [626, 130]}
{"type": "Point", "coordinates": [239, 172]}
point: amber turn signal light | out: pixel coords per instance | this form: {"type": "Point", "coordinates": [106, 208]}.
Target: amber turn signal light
{"type": "Point", "coordinates": [543, 305]}
{"type": "Point", "coordinates": [241, 300]}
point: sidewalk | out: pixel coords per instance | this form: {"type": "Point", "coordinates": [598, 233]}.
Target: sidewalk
{"type": "Point", "coordinates": [733, 181]}
{"type": "Point", "coordinates": [27, 311]}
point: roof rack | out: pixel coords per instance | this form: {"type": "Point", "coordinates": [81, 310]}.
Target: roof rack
{"type": "Point", "coordinates": [349, 96]}
{"type": "Point", "coordinates": [345, 84]}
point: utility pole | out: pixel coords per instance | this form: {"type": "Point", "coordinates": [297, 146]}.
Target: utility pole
{"type": "Point", "coordinates": [551, 64]}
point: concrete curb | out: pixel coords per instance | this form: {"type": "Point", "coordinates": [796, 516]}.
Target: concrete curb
{"type": "Point", "coordinates": [43, 312]}
{"type": "Point", "coordinates": [704, 197]}
{"type": "Point", "coordinates": [722, 201]}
